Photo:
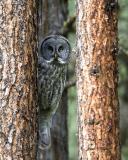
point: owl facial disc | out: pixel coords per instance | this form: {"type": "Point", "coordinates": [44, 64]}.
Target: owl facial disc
{"type": "Point", "coordinates": [55, 48]}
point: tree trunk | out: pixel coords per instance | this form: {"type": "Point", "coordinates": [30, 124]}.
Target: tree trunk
{"type": "Point", "coordinates": [52, 14]}
{"type": "Point", "coordinates": [60, 130]}
{"type": "Point", "coordinates": [18, 80]}
{"type": "Point", "coordinates": [98, 109]}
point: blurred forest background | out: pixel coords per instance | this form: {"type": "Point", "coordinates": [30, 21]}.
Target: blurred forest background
{"type": "Point", "coordinates": [123, 82]}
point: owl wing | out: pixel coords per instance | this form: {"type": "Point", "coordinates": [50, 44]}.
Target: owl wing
{"type": "Point", "coordinates": [43, 68]}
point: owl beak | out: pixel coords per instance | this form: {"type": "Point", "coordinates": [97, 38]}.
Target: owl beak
{"type": "Point", "coordinates": [56, 56]}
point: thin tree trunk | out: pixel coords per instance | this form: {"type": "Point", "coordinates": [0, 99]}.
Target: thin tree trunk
{"type": "Point", "coordinates": [60, 130]}
{"type": "Point", "coordinates": [18, 80]}
{"type": "Point", "coordinates": [98, 109]}
{"type": "Point", "coordinates": [52, 14]}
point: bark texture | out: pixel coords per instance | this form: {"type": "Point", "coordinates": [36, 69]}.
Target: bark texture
{"type": "Point", "coordinates": [52, 14]}
{"type": "Point", "coordinates": [98, 108]}
{"type": "Point", "coordinates": [18, 80]}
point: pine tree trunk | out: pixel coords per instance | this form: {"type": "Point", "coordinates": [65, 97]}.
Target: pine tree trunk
{"type": "Point", "coordinates": [18, 80]}
{"type": "Point", "coordinates": [52, 14]}
{"type": "Point", "coordinates": [98, 108]}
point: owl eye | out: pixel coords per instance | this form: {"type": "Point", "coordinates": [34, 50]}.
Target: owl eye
{"type": "Point", "coordinates": [50, 48]}
{"type": "Point", "coordinates": [60, 49]}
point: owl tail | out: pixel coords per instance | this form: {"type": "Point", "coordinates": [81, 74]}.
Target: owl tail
{"type": "Point", "coordinates": [45, 135]}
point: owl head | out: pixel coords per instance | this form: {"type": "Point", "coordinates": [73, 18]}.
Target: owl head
{"type": "Point", "coordinates": [55, 48]}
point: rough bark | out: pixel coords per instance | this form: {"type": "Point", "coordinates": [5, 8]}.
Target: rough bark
{"type": "Point", "coordinates": [18, 93]}
{"type": "Point", "coordinates": [98, 109]}
{"type": "Point", "coordinates": [52, 14]}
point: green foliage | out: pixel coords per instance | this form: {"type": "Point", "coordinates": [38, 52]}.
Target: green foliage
{"type": "Point", "coordinates": [71, 5]}
{"type": "Point", "coordinates": [125, 153]}
{"type": "Point", "coordinates": [123, 43]}
{"type": "Point", "coordinates": [123, 69]}
{"type": "Point", "coordinates": [72, 121]}
{"type": "Point", "coordinates": [123, 23]}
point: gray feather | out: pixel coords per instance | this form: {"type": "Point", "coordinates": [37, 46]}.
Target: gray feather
{"type": "Point", "coordinates": [52, 70]}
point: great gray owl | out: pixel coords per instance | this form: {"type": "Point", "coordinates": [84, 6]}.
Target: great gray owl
{"type": "Point", "coordinates": [52, 69]}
